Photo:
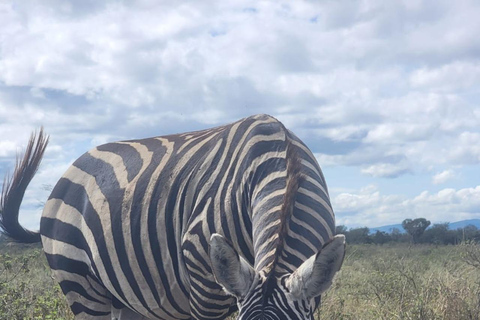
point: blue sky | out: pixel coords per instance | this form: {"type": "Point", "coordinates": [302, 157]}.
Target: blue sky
{"type": "Point", "coordinates": [385, 93]}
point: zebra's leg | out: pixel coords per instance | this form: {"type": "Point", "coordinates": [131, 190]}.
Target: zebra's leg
{"type": "Point", "coordinates": [88, 299]}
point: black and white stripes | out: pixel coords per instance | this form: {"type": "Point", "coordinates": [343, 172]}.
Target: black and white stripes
{"type": "Point", "coordinates": [129, 226]}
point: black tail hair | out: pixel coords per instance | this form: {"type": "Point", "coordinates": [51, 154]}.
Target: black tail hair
{"type": "Point", "coordinates": [14, 189]}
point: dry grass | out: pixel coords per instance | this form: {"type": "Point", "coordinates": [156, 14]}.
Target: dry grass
{"type": "Point", "coordinates": [376, 282]}
{"type": "Point", "coordinates": [399, 282]}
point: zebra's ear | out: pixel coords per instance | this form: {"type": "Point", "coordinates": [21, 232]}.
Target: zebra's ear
{"type": "Point", "coordinates": [315, 275]}
{"type": "Point", "coordinates": [231, 271]}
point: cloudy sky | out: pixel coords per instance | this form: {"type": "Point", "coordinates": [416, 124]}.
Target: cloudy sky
{"type": "Point", "coordinates": [385, 93]}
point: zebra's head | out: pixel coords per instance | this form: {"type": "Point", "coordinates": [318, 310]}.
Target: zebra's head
{"type": "Point", "coordinates": [285, 297]}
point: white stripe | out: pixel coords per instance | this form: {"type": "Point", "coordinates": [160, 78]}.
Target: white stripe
{"type": "Point", "coordinates": [73, 296]}
{"type": "Point", "coordinates": [116, 161]}
{"type": "Point", "coordinates": [146, 156]}
{"type": "Point", "coordinates": [316, 217]}
{"type": "Point", "coordinates": [57, 209]}
{"type": "Point", "coordinates": [101, 206]}
{"type": "Point", "coordinates": [239, 153]}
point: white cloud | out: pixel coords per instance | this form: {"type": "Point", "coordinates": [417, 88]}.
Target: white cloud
{"type": "Point", "coordinates": [459, 75]}
{"type": "Point", "coordinates": [365, 198]}
{"type": "Point", "coordinates": [386, 87]}
{"type": "Point", "coordinates": [7, 148]}
{"type": "Point", "coordinates": [443, 177]}
{"type": "Point", "coordinates": [369, 207]}
{"type": "Point", "coordinates": [466, 149]}
{"type": "Point", "coordinates": [386, 170]}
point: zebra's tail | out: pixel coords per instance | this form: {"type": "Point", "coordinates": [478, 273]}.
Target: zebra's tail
{"type": "Point", "coordinates": [14, 189]}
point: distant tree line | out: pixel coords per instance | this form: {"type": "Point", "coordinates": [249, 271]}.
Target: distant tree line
{"type": "Point", "coordinates": [417, 231]}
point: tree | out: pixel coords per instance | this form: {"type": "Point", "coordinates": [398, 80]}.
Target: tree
{"type": "Point", "coordinates": [398, 236]}
{"type": "Point", "coordinates": [415, 227]}
{"type": "Point", "coordinates": [469, 233]}
{"type": "Point", "coordinates": [439, 233]}
{"type": "Point", "coordinates": [341, 229]}
{"type": "Point", "coordinates": [358, 235]}
{"type": "Point", "coordinates": [381, 237]}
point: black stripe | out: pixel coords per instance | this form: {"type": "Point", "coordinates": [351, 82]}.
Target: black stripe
{"type": "Point", "coordinates": [292, 259]}
{"type": "Point", "coordinates": [299, 246]}
{"type": "Point", "coordinates": [210, 299]}
{"type": "Point", "coordinates": [92, 278]}
{"type": "Point", "coordinates": [158, 150]}
{"type": "Point", "coordinates": [79, 308]}
{"type": "Point", "coordinates": [306, 233]}
{"type": "Point", "coordinates": [228, 176]}
{"type": "Point", "coordinates": [65, 232]}
{"type": "Point", "coordinates": [307, 218]}
{"type": "Point", "coordinates": [186, 172]}
{"type": "Point", "coordinates": [238, 223]}
{"type": "Point", "coordinates": [109, 186]}
{"type": "Point", "coordinates": [68, 286]}
{"type": "Point", "coordinates": [289, 314]}
{"type": "Point", "coordinates": [59, 262]}
{"type": "Point", "coordinates": [131, 158]}
{"type": "Point", "coordinates": [76, 196]}
{"type": "Point", "coordinates": [192, 264]}
{"type": "Point", "coordinates": [191, 248]}
{"type": "Point", "coordinates": [204, 313]}
{"type": "Point", "coordinates": [245, 212]}
{"type": "Point", "coordinates": [152, 225]}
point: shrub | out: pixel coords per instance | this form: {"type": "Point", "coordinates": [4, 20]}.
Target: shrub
{"type": "Point", "coordinates": [26, 289]}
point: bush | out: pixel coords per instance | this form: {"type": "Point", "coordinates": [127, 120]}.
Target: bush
{"type": "Point", "coordinates": [471, 253]}
{"type": "Point", "coordinates": [26, 289]}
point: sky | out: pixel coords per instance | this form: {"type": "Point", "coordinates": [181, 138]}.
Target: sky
{"type": "Point", "coordinates": [385, 93]}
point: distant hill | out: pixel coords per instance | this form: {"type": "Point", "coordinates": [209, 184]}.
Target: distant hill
{"type": "Point", "coordinates": [451, 226]}
{"type": "Point", "coordinates": [464, 223]}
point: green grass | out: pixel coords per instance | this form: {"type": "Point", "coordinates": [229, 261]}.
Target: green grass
{"type": "Point", "coordinates": [376, 282]}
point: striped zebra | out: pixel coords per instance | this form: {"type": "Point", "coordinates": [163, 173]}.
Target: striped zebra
{"type": "Point", "coordinates": [188, 226]}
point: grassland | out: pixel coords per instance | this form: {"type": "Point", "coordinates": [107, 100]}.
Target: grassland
{"type": "Point", "coordinates": [376, 282]}
{"type": "Point", "coordinates": [406, 282]}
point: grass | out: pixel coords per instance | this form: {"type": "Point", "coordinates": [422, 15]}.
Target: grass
{"type": "Point", "coordinates": [27, 291]}
{"type": "Point", "coordinates": [376, 282]}
{"type": "Point", "coordinates": [403, 282]}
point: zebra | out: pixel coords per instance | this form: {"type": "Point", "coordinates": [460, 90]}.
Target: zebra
{"type": "Point", "coordinates": [195, 225]}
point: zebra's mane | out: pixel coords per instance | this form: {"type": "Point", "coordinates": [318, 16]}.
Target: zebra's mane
{"type": "Point", "coordinates": [294, 178]}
